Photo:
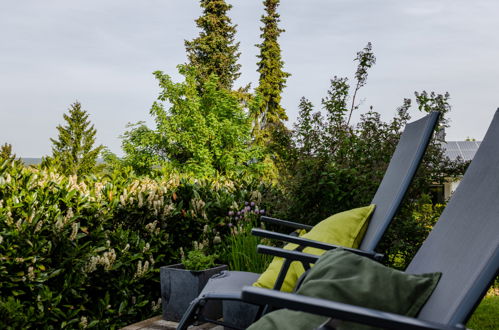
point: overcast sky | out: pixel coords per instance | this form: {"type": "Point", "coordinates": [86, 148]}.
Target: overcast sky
{"type": "Point", "coordinates": [103, 53]}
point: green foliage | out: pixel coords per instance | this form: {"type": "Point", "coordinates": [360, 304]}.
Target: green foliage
{"type": "Point", "coordinates": [72, 151]}
{"type": "Point", "coordinates": [112, 163]}
{"type": "Point", "coordinates": [336, 166]}
{"type": "Point", "coordinates": [330, 155]}
{"type": "Point", "coordinates": [272, 78]}
{"type": "Point", "coordinates": [486, 316]}
{"type": "Point", "coordinates": [198, 260]}
{"type": "Point", "coordinates": [268, 117]}
{"type": "Point", "coordinates": [305, 135]}
{"type": "Point", "coordinates": [214, 51]}
{"type": "Point", "coordinates": [239, 248]}
{"type": "Point", "coordinates": [6, 152]}
{"type": "Point", "coordinates": [366, 60]}
{"type": "Point", "coordinates": [64, 261]}
{"type": "Point", "coordinates": [204, 133]}
{"type": "Point", "coordinates": [141, 149]}
{"type": "Point", "coordinates": [88, 252]}
{"type": "Point", "coordinates": [413, 225]}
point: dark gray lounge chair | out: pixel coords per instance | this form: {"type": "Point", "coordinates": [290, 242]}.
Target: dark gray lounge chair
{"type": "Point", "coordinates": [392, 189]}
{"type": "Point", "coordinates": [463, 246]}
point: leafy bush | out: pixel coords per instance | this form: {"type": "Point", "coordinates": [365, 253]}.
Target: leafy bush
{"type": "Point", "coordinates": [204, 133]}
{"type": "Point", "coordinates": [414, 223]}
{"type": "Point", "coordinates": [197, 260]}
{"type": "Point", "coordinates": [86, 252]}
{"type": "Point", "coordinates": [335, 166]}
{"type": "Point", "coordinates": [64, 262]}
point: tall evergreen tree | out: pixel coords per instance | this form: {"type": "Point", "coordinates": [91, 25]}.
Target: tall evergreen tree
{"type": "Point", "coordinates": [272, 77]}
{"type": "Point", "coordinates": [72, 151]}
{"type": "Point", "coordinates": [215, 51]}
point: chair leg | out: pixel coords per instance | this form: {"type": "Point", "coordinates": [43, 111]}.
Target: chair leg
{"type": "Point", "coordinates": [189, 316]}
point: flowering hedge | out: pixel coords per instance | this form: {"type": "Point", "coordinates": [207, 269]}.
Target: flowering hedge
{"type": "Point", "coordinates": [86, 253]}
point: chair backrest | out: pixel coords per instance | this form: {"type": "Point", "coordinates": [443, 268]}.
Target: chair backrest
{"type": "Point", "coordinates": [398, 176]}
{"type": "Point", "coordinates": [464, 244]}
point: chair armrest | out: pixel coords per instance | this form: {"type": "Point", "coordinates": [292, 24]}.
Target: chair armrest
{"type": "Point", "coordinates": [287, 254]}
{"type": "Point", "coordinates": [236, 296]}
{"type": "Point", "coordinates": [285, 223]}
{"type": "Point", "coordinates": [311, 243]}
{"type": "Point", "coordinates": [339, 310]}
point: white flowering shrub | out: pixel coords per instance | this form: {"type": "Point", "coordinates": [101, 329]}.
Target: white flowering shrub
{"type": "Point", "coordinates": [85, 252]}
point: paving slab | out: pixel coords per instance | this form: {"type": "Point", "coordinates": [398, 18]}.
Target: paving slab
{"type": "Point", "coordinates": [157, 323]}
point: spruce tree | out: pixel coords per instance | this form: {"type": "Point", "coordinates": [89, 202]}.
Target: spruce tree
{"type": "Point", "coordinates": [72, 151]}
{"type": "Point", "coordinates": [272, 77]}
{"type": "Point", "coordinates": [215, 51]}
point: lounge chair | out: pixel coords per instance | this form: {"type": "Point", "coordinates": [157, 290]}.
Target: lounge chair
{"type": "Point", "coordinates": [463, 246]}
{"type": "Point", "coordinates": [391, 191]}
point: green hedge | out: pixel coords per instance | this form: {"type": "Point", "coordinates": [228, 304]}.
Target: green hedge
{"type": "Point", "coordinates": [87, 253]}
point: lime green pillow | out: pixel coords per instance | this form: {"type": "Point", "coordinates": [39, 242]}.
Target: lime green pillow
{"type": "Point", "coordinates": [344, 229]}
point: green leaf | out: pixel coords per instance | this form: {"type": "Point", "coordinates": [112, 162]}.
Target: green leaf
{"type": "Point", "coordinates": [122, 307]}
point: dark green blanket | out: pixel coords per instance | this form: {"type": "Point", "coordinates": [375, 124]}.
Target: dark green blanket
{"type": "Point", "coordinates": [344, 277]}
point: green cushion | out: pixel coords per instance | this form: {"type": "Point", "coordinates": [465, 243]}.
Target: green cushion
{"type": "Point", "coordinates": [345, 277]}
{"type": "Point", "coordinates": [344, 229]}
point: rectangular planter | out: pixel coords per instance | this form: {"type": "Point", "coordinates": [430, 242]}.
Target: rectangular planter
{"type": "Point", "coordinates": [180, 286]}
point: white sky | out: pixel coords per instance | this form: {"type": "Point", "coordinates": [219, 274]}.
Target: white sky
{"type": "Point", "coordinates": [102, 53]}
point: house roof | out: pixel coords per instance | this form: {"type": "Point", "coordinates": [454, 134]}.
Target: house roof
{"type": "Point", "coordinates": [464, 149]}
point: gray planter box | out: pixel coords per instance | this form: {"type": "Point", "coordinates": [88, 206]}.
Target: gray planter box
{"type": "Point", "coordinates": [180, 286]}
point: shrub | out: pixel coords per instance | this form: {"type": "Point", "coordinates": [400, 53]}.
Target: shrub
{"type": "Point", "coordinates": [335, 166]}
{"type": "Point", "coordinates": [197, 260]}
{"type": "Point", "coordinates": [414, 223]}
{"type": "Point", "coordinates": [87, 251]}
{"type": "Point", "coordinates": [204, 132]}
{"type": "Point", "coordinates": [64, 262]}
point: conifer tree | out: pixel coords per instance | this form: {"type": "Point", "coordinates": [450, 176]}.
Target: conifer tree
{"type": "Point", "coordinates": [72, 151]}
{"type": "Point", "coordinates": [272, 77]}
{"type": "Point", "coordinates": [215, 51]}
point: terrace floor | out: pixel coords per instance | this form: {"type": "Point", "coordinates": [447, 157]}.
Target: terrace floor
{"type": "Point", "coordinates": [157, 323]}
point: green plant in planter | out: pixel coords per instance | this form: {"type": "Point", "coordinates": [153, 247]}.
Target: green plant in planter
{"type": "Point", "coordinates": [198, 260]}
{"type": "Point", "coordinates": [239, 245]}
{"type": "Point", "coordinates": [180, 285]}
